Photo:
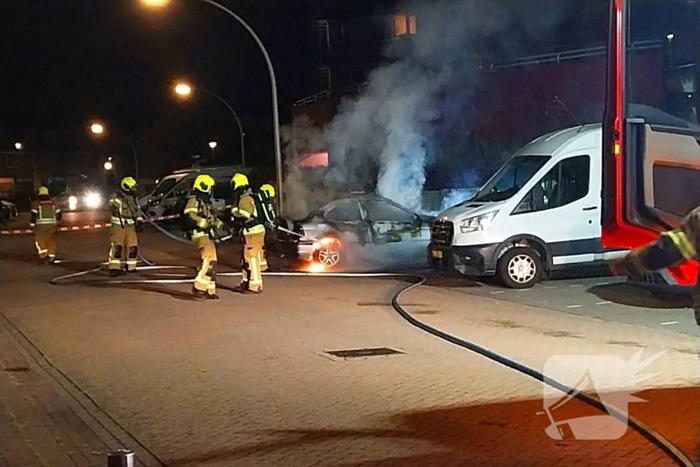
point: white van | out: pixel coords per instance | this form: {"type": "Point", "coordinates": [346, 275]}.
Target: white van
{"type": "Point", "coordinates": [541, 211]}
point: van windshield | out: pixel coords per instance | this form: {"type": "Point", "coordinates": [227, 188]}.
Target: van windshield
{"type": "Point", "coordinates": [510, 178]}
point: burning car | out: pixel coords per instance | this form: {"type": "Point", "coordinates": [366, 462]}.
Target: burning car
{"type": "Point", "coordinates": [329, 235]}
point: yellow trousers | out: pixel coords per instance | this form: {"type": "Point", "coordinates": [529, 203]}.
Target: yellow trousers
{"type": "Point", "coordinates": [45, 240]}
{"type": "Point", "coordinates": [251, 273]}
{"type": "Point", "coordinates": [123, 247]}
{"type": "Point", "coordinates": [206, 276]}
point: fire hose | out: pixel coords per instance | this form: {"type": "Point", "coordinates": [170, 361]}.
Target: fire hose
{"type": "Point", "coordinates": [416, 281]}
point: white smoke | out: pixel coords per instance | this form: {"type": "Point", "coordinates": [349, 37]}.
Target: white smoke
{"type": "Point", "coordinates": [387, 132]}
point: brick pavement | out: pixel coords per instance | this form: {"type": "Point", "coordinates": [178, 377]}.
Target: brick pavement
{"type": "Point", "coordinates": [38, 428]}
{"type": "Point", "coordinates": [245, 380]}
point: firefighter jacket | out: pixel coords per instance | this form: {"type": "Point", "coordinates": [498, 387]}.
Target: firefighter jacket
{"type": "Point", "coordinates": [246, 209]}
{"type": "Point", "coordinates": [201, 215]}
{"type": "Point", "coordinates": [45, 211]}
{"type": "Point", "coordinates": [124, 210]}
{"type": "Point", "coordinates": [671, 248]}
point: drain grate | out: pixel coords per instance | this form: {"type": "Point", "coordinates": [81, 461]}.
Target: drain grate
{"type": "Point", "coordinates": [359, 353]}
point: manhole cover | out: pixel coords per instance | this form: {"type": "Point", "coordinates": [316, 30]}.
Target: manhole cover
{"type": "Point", "coordinates": [359, 353]}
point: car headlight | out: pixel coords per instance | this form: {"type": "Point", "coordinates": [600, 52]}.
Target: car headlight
{"type": "Point", "coordinates": [93, 200]}
{"type": "Point", "coordinates": [476, 223]}
{"type": "Point", "coordinates": [72, 203]}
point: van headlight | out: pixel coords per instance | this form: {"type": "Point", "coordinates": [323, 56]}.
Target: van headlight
{"type": "Point", "coordinates": [476, 223]}
{"type": "Point", "coordinates": [72, 203]}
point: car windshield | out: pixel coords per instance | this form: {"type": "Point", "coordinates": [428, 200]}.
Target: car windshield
{"type": "Point", "coordinates": [511, 178]}
{"type": "Point", "coordinates": [165, 186]}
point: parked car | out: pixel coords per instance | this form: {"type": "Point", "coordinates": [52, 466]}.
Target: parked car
{"type": "Point", "coordinates": [8, 211]}
{"type": "Point", "coordinates": [326, 234]}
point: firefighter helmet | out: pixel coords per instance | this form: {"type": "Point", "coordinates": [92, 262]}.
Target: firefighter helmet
{"type": "Point", "coordinates": [268, 189]}
{"type": "Point", "coordinates": [203, 183]}
{"type": "Point", "coordinates": [43, 191]}
{"type": "Point", "coordinates": [239, 180]}
{"type": "Point", "coordinates": [127, 183]}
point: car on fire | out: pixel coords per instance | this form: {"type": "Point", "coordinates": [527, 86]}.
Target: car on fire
{"type": "Point", "coordinates": [326, 235]}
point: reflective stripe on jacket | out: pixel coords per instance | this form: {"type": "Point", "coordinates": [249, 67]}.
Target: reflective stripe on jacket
{"type": "Point", "coordinates": [45, 212]}
{"type": "Point", "coordinates": [201, 215]}
{"type": "Point", "coordinates": [124, 211]}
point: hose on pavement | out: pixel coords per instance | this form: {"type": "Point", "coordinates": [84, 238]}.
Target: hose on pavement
{"type": "Point", "coordinates": [416, 281]}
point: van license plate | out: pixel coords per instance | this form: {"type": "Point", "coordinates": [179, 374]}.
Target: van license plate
{"type": "Point", "coordinates": [436, 254]}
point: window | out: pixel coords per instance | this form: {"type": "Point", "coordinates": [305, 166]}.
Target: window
{"type": "Point", "coordinates": [566, 182]}
{"type": "Point", "coordinates": [675, 189]}
{"type": "Point", "coordinates": [511, 178]}
{"type": "Point", "coordinates": [381, 211]}
{"type": "Point", "coordinates": [165, 186]}
{"type": "Point", "coordinates": [404, 24]}
{"type": "Point", "coordinates": [346, 211]}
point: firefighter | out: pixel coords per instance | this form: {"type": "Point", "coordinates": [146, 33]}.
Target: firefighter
{"type": "Point", "coordinates": [203, 221]}
{"type": "Point", "coordinates": [245, 210]}
{"type": "Point", "coordinates": [44, 221]}
{"type": "Point", "coordinates": [670, 249]}
{"type": "Point", "coordinates": [266, 198]}
{"type": "Point", "coordinates": [123, 238]}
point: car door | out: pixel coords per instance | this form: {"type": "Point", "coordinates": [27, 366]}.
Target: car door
{"type": "Point", "coordinates": [390, 222]}
{"type": "Point", "coordinates": [563, 210]}
{"type": "Point", "coordinates": [344, 217]}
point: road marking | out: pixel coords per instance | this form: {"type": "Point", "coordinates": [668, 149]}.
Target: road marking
{"type": "Point", "coordinates": [497, 292]}
{"type": "Point", "coordinates": [603, 303]}
{"type": "Point", "coordinates": [576, 285]}
{"type": "Point", "coordinates": [574, 306]}
{"type": "Point", "coordinates": [668, 323]}
{"type": "Point", "coordinates": [550, 286]}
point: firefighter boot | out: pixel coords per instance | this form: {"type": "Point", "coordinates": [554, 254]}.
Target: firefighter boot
{"type": "Point", "coordinates": [198, 294]}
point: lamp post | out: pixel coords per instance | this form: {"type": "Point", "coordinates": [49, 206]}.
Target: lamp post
{"type": "Point", "coordinates": [212, 145]}
{"type": "Point", "coordinates": [19, 147]}
{"type": "Point", "coordinates": [98, 129]}
{"type": "Point", "coordinates": [184, 90]}
{"type": "Point", "coordinates": [670, 36]}
{"type": "Point", "coordinates": [273, 85]}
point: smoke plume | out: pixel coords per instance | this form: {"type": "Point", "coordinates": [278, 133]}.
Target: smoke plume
{"type": "Point", "coordinates": [421, 96]}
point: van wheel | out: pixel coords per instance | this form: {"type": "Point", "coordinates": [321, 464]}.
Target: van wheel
{"type": "Point", "coordinates": [520, 268]}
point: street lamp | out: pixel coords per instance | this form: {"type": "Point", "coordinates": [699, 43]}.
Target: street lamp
{"type": "Point", "coordinates": [670, 36]}
{"type": "Point", "coordinates": [273, 85]}
{"type": "Point", "coordinates": [99, 129]}
{"type": "Point", "coordinates": [108, 165]}
{"type": "Point", "coordinates": [212, 145]}
{"type": "Point", "coordinates": [19, 146]}
{"type": "Point", "coordinates": [184, 91]}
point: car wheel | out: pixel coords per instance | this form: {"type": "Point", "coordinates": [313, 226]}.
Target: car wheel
{"type": "Point", "coordinates": [329, 254]}
{"type": "Point", "coordinates": [520, 268]}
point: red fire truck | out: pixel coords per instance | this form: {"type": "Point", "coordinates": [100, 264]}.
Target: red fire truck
{"type": "Point", "coordinates": [651, 150]}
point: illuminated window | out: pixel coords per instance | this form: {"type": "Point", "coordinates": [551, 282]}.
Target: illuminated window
{"type": "Point", "coordinates": [400, 25]}
{"type": "Point", "coordinates": [404, 24]}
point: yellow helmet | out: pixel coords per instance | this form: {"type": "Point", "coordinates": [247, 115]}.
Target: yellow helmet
{"type": "Point", "coordinates": [239, 180]}
{"type": "Point", "coordinates": [268, 189]}
{"type": "Point", "coordinates": [203, 183]}
{"type": "Point", "coordinates": [127, 183]}
{"type": "Point", "coordinates": [43, 191]}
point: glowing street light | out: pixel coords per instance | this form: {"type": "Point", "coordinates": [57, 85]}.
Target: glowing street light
{"type": "Point", "coordinates": [18, 146]}
{"type": "Point", "coordinates": [155, 3]}
{"type": "Point", "coordinates": [273, 86]}
{"type": "Point", "coordinates": [212, 144]}
{"type": "Point", "coordinates": [97, 128]}
{"type": "Point", "coordinates": [670, 36]}
{"type": "Point", "coordinates": [108, 165]}
{"type": "Point", "coordinates": [183, 89]}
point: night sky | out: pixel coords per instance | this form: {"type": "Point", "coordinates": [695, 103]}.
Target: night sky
{"type": "Point", "coordinates": [67, 62]}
